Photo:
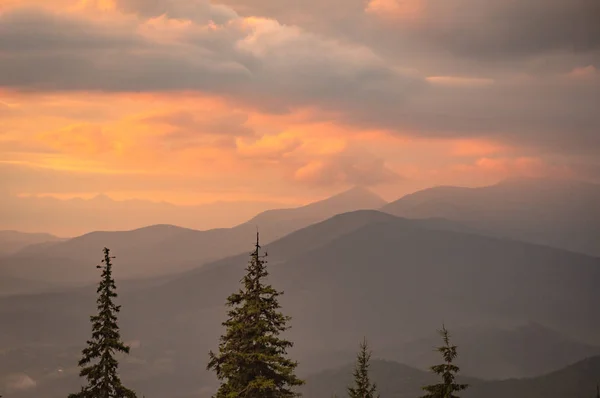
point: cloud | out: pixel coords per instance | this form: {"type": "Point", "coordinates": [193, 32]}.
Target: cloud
{"type": "Point", "coordinates": [459, 81]}
{"type": "Point", "coordinates": [396, 9]}
{"type": "Point", "coordinates": [188, 129]}
{"type": "Point", "coordinates": [588, 73]}
{"type": "Point", "coordinates": [254, 58]}
{"type": "Point", "coordinates": [549, 113]}
{"type": "Point", "coordinates": [263, 65]}
{"type": "Point", "coordinates": [41, 50]}
{"type": "Point", "coordinates": [199, 11]}
{"type": "Point", "coordinates": [499, 28]}
{"type": "Point", "coordinates": [31, 30]}
{"type": "Point", "coordinates": [350, 167]}
{"type": "Point", "coordinates": [81, 140]}
{"type": "Point", "coordinates": [269, 148]}
{"type": "Point", "coordinates": [19, 382]}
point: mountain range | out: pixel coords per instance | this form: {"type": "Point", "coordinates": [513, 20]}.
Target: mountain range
{"type": "Point", "coordinates": [558, 213]}
{"type": "Point", "coordinates": [496, 352]}
{"type": "Point", "coordinates": [395, 380]}
{"type": "Point", "coordinates": [355, 274]}
{"type": "Point", "coordinates": [520, 304]}
{"type": "Point", "coordinates": [72, 217]}
{"type": "Point", "coordinates": [168, 249]}
{"type": "Point", "coordinates": [13, 241]}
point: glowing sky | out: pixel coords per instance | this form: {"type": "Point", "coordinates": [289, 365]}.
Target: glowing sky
{"type": "Point", "coordinates": [193, 101]}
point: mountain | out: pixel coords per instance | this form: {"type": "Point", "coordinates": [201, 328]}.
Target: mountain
{"type": "Point", "coordinates": [72, 217]}
{"type": "Point", "coordinates": [563, 214]}
{"type": "Point", "coordinates": [166, 249]}
{"type": "Point", "coordinates": [363, 273]}
{"type": "Point", "coordinates": [400, 381]}
{"type": "Point", "coordinates": [357, 198]}
{"type": "Point", "coordinates": [527, 350]}
{"type": "Point", "coordinates": [393, 380]}
{"type": "Point", "coordinates": [13, 241]}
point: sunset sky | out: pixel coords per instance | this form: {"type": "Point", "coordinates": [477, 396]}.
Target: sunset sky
{"type": "Point", "coordinates": [191, 101]}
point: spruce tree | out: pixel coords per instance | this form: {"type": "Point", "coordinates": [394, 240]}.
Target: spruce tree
{"type": "Point", "coordinates": [252, 360]}
{"type": "Point", "coordinates": [98, 364]}
{"type": "Point", "coordinates": [447, 370]}
{"type": "Point", "coordinates": [363, 388]}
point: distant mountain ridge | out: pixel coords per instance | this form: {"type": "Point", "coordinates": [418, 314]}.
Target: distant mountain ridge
{"type": "Point", "coordinates": [14, 241]}
{"type": "Point", "coordinates": [527, 350]}
{"type": "Point", "coordinates": [337, 204]}
{"type": "Point", "coordinates": [165, 249]}
{"type": "Point", "coordinates": [558, 213]}
{"type": "Point", "coordinates": [395, 380]}
{"type": "Point", "coordinates": [70, 217]}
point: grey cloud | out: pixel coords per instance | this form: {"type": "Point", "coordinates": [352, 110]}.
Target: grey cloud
{"type": "Point", "coordinates": [493, 29]}
{"type": "Point", "coordinates": [551, 113]}
{"type": "Point", "coordinates": [32, 30]}
{"type": "Point", "coordinates": [500, 28]}
{"type": "Point", "coordinates": [278, 62]}
{"type": "Point", "coordinates": [40, 50]}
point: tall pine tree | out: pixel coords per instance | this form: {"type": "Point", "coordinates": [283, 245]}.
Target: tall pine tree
{"type": "Point", "coordinates": [447, 370]}
{"type": "Point", "coordinates": [363, 387]}
{"type": "Point", "coordinates": [98, 364]}
{"type": "Point", "coordinates": [252, 360]}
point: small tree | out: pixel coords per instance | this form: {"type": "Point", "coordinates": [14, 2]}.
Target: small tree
{"type": "Point", "coordinates": [363, 388]}
{"type": "Point", "coordinates": [252, 361]}
{"type": "Point", "coordinates": [446, 370]}
{"type": "Point", "coordinates": [102, 378]}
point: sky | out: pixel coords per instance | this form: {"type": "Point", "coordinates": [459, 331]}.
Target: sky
{"type": "Point", "coordinates": [197, 101]}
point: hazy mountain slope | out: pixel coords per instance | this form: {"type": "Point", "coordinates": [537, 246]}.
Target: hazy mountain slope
{"type": "Point", "coordinates": [165, 249]}
{"type": "Point", "coordinates": [563, 214]}
{"type": "Point", "coordinates": [400, 381]}
{"type": "Point", "coordinates": [71, 217]}
{"type": "Point", "coordinates": [577, 380]}
{"type": "Point", "coordinates": [528, 350]}
{"type": "Point", "coordinates": [393, 280]}
{"type": "Point", "coordinates": [14, 285]}
{"type": "Point", "coordinates": [356, 198]}
{"type": "Point", "coordinates": [13, 241]}
{"type": "Point", "coordinates": [393, 380]}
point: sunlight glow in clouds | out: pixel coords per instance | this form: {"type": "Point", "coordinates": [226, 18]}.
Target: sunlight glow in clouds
{"type": "Point", "coordinates": [400, 9]}
{"type": "Point", "coordinates": [211, 95]}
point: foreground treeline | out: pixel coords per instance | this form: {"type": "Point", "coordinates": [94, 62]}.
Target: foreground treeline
{"type": "Point", "coordinates": [251, 361]}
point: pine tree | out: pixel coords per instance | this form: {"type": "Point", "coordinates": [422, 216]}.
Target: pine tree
{"type": "Point", "coordinates": [252, 361]}
{"type": "Point", "coordinates": [102, 378]}
{"type": "Point", "coordinates": [363, 388]}
{"type": "Point", "coordinates": [446, 370]}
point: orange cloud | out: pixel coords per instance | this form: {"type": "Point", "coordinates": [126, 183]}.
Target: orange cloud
{"type": "Point", "coordinates": [587, 72]}
{"type": "Point", "coordinates": [457, 81]}
{"type": "Point", "coordinates": [81, 140]}
{"type": "Point", "coordinates": [488, 169]}
{"type": "Point", "coordinates": [400, 9]}
{"type": "Point", "coordinates": [474, 147]}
